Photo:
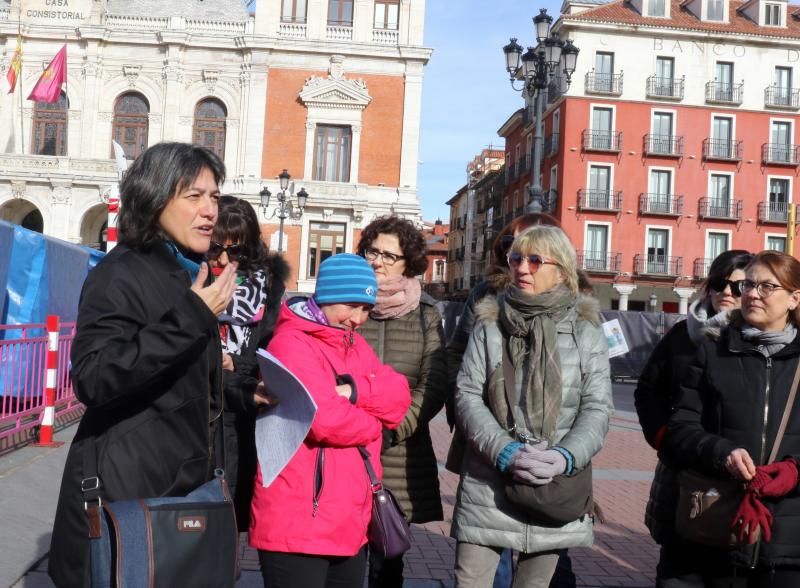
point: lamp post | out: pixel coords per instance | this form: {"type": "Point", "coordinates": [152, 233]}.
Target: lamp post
{"type": "Point", "coordinates": [537, 68]}
{"type": "Point", "coordinates": [284, 208]}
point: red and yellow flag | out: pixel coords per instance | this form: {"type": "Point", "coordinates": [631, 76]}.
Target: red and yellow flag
{"type": "Point", "coordinates": [48, 88]}
{"type": "Point", "coordinates": [16, 64]}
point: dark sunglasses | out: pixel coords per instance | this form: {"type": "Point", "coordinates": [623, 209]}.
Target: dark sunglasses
{"type": "Point", "coordinates": [236, 251]}
{"type": "Point", "coordinates": [719, 285]}
{"type": "Point", "coordinates": [535, 261]}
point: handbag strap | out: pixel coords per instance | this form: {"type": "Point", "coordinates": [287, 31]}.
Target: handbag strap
{"type": "Point", "coordinates": [509, 385]}
{"type": "Point", "coordinates": [373, 478]}
{"type": "Point", "coordinates": [786, 412]}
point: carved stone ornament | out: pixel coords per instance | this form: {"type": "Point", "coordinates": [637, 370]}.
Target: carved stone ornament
{"type": "Point", "coordinates": [90, 68]}
{"type": "Point", "coordinates": [210, 77]}
{"type": "Point", "coordinates": [18, 189]}
{"type": "Point", "coordinates": [105, 116]}
{"type": "Point", "coordinates": [131, 73]}
{"type": "Point", "coordinates": [61, 194]}
{"type": "Point", "coordinates": [171, 73]}
{"type": "Point", "coordinates": [327, 214]}
{"type": "Point", "coordinates": [244, 75]}
{"type": "Point", "coordinates": [186, 120]}
{"type": "Point", "coordinates": [335, 91]}
{"type": "Point", "coordinates": [358, 213]}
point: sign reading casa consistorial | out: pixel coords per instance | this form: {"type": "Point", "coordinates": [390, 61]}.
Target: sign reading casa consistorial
{"type": "Point", "coordinates": [56, 12]}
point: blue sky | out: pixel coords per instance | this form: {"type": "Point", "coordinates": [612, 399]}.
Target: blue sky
{"type": "Point", "coordinates": [466, 96]}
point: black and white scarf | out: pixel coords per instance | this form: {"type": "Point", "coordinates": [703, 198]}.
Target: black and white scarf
{"type": "Point", "coordinates": [247, 307]}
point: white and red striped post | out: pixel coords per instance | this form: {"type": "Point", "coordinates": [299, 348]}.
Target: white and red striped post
{"type": "Point", "coordinates": [49, 415]}
{"type": "Point", "coordinates": [111, 227]}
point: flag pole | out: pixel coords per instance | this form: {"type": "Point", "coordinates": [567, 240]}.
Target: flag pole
{"type": "Point", "coordinates": [21, 116]}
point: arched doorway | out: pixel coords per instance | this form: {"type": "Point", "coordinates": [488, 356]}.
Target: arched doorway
{"type": "Point", "coordinates": [209, 125]}
{"type": "Point", "coordinates": [23, 213]}
{"type": "Point", "coordinates": [93, 227]}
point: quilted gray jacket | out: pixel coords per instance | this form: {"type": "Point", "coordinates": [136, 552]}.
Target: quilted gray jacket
{"type": "Point", "coordinates": [482, 514]}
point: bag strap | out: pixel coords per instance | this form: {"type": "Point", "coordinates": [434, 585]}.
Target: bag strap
{"type": "Point", "coordinates": [786, 412]}
{"type": "Point", "coordinates": [509, 385]}
{"type": "Point", "coordinates": [373, 478]}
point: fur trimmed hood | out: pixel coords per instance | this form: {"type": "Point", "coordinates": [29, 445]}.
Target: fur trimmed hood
{"type": "Point", "coordinates": [587, 308]}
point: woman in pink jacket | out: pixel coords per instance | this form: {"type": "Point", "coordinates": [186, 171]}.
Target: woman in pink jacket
{"type": "Point", "coordinates": [310, 524]}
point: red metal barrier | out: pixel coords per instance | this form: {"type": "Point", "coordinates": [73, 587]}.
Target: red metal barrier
{"type": "Point", "coordinates": [23, 376]}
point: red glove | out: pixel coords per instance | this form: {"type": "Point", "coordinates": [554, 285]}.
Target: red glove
{"type": "Point", "coordinates": [751, 516]}
{"type": "Point", "coordinates": [776, 479]}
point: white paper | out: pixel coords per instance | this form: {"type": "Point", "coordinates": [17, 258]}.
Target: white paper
{"type": "Point", "coordinates": [617, 345]}
{"type": "Point", "coordinates": [281, 430]}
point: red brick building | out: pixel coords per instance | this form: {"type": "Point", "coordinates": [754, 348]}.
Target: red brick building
{"type": "Point", "coordinates": [435, 278]}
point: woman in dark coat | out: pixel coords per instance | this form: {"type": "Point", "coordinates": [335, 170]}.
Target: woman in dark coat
{"type": "Point", "coordinates": [405, 331]}
{"type": "Point", "coordinates": [245, 326]}
{"type": "Point", "coordinates": [146, 360]}
{"type": "Point", "coordinates": [657, 392]}
{"type": "Point", "coordinates": [726, 420]}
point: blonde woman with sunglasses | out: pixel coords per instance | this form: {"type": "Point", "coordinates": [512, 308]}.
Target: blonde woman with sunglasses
{"type": "Point", "coordinates": [562, 385]}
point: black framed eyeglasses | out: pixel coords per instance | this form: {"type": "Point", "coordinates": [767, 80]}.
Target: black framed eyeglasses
{"type": "Point", "coordinates": [235, 251]}
{"type": "Point", "coordinates": [764, 289]}
{"type": "Point", "coordinates": [719, 285]}
{"type": "Point", "coordinates": [535, 261]}
{"type": "Point", "coordinates": [388, 258]}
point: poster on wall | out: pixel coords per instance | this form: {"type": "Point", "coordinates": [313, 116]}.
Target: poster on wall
{"type": "Point", "coordinates": [56, 13]}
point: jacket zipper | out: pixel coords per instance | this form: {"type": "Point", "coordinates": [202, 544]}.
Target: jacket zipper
{"type": "Point", "coordinates": [211, 422]}
{"type": "Point", "coordinates": [319, 479]}
{"type": "Point", "coordinates": [757, 548]}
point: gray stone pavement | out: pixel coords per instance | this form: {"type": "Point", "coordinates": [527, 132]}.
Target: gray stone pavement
{"type": "Point", "coordinates": [623, 553]}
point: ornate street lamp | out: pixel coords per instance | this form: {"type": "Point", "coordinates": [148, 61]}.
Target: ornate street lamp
{"type": "Point", "coordinates": [284, 209]}
{"type": "Point", "coordinates": [551, 60]}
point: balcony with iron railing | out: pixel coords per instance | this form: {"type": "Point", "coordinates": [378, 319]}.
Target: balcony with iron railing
{"type": "Point", "coordinates": [701, 265]}
{"type": "Point", "coordinates": [663, 145]}
{"type": "Point", "coordinates": [722, 149]}
{"type": "Point", "coordinates": [650, 264]}
{"type": "Point", "coordinates": [720, 209]}
{"type": "Point", "coordinates": [780, 154]}
{"type": "Point", "coordinates": [599, 261]}
{"type": "Point", "coordinates": [551, 144]}
{"type": "Point", "coordinates": [603, 83]}
{"type": "Point", "coordinates": [773, 212]}
{"type": "Point", "coordinates": [780, 97]}
{"type": "Point", "coordinates": [724, 93]}
{"type": "Point", "coordinates": [608, 141]}
{"type": "Point", "coordinates": [660, 204]}
{"type": "Point", "coordinates": [599, 200]}
{"type": "Point", "coordinates": [665, 88]}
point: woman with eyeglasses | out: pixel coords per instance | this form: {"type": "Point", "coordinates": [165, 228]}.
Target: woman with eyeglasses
{"type": "Point", "coordinates": [245, 326]}
{"type": "Point", "coordinates": [724, 424]}
{"type": "Point", "coordinates": [657, 392]}
{"type": "Point", "coordinates": [405, 331]}
{"type": "Point", "coordinates": [552, 425]}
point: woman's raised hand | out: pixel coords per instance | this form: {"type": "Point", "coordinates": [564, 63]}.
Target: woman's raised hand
{"type": "Point", "coordinates": [218, 295]}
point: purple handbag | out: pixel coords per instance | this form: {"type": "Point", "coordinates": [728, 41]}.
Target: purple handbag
{"type": "Point", "coordinates": [389, 534]}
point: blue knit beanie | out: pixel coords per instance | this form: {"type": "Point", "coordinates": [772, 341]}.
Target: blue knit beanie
{"type": "Point", "coordinates": [346, 278]}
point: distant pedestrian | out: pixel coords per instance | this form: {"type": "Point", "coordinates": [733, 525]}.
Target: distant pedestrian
{"type": "Point", "coordinates": [405, 331]}
{"type": "Point", "coordinates": [310, 524]}
{"type": "Point", "coordinates": [725, 422]}
{"type": "Point", "coordinates": [657, 392]}
{"type": "Point", "coordinates": [146, 358]}
{"type": "Point", "coordinates": [560, 360]}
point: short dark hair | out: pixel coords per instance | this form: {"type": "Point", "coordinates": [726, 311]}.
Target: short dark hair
{"type": "Point", "coordinates": [502, 246]}
{"type": "Point", "coordinates": [238, 222]}
{"type": "Point", "coordinates": [411, 241]}
{"type": "Point", "coordinates": [725, 264]}
{"type": "Point", "coordinates": [154, 179]}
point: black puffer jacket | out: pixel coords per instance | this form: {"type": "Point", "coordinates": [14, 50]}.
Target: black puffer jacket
{"type": "Point", "coordinates": [732, 396]}
{"type": "Point", "coordinates": [655, 395]}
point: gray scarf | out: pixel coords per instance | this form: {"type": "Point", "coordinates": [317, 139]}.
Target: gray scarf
{"type": "Point", "coordinates": [530, 323]}
{"type": "Point", "coordinates": [769, 343]}
{"type": "Point", "coordinates": [700, 325]}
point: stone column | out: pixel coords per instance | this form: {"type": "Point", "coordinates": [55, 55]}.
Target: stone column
{"type": "Point", "coordinates": [683, 295]}
{"type": "Point", "coordinates": [355, 157]}
{"type": "Point", "coordinates": [60, 204]}
{"type": "Point", "coordinates": [91, 71]}
{"type": "Point", "coordinates": [412, 112]}
{"type": "Point", "coordinates": [624, 291]}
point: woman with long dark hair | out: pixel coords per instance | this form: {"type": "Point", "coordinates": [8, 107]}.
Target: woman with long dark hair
{"type": "Point", "coordinates": [146, 360]}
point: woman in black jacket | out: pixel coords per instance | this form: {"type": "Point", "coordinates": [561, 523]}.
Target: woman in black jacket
{"type": "Point", "coordinates": [657, 391]}
{"type": "Point", "coordinates": [246, 325]}
{"type": "Point", "coordinates": [726, 420]}
{"type": "Point", "coordinates": [146, 360]}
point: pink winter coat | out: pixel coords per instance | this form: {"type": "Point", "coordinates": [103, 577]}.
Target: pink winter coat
{"type": "Point", "coordinates": [296, 513]}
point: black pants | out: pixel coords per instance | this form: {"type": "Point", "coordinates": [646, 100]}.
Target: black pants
{"type": "Point", "coordinates": [386, 573]}
{"type": "Point", "coordinates": [300, 570]}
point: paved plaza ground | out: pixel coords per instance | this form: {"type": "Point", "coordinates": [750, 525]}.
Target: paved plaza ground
{"type": "Point", "coordinates": [623, 553]}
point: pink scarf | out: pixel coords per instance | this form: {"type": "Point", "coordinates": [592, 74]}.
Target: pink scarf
{"type": "Point", "coordinates": [397, 296]}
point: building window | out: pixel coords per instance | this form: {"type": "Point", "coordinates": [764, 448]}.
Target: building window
{"type": "Point", "coordinates": [656, 8]}
{"type": "Point", "coordinates": [438, 270]}
{"type": "Point", "coordinates": [660, 198]}
{"type": "Point", "coordinates": [324, 240]}
{"type": "Point", "coordinates": [780, 148]}
{"type": "Point", "coordinates": [772, 14]}
{"type": "Point", "coordinates": [716, 10]}
{"type": "Point", "coordinates": [604, 72]}
{"type": "Point", "coordinates": [716, 243]}
{"type": "Point", "coordinates": [599, 193]}
{"type": "Point", "coordinates": [663, 129]}
{"type": "Point", "coordinates": [332, 155]}
{"type": "Point", "coordinates": [722, 137]}
{"type": "Point", "coordinates": [657, 249]}
{"type": "Point", "coordinates": [517, 161]}
{"type": "Point", "coordinates": [209, 126]}
{"type": "Point", "coordinates": [602, 126]}
{"type": "Point", "coordinates": [129, 128]}
{"type": "Point", "coordinates": [596, 254]}
{"type": "Point", "coordinates": [340, 13]}
{"type": "Point", "coordinates": [387, 13]}
{"type": "Point", "coordinates": [724, 79]}
{"type": "Point", "coordinates": [50, 127]}
{"type": "Point", "coordinates": [776, 243]}
{"type": "Point", "coordinates": [719, 198]}
{"type": "Point", "coordinates": [294, 11]}
{"type": "Point", "coordinates": [529, 150]}
{"type": "Point", "coordinates": [783, 86]}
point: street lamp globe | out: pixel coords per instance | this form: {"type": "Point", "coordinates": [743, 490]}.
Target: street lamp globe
{"type": "Point", "coordinates": [552, 50]}
{"type": "Point", "coordinates": [513, 51]}
{"type": "Point", "coordinates": [569, 58]}
{"type": "Point", "coordinates": [284, 177]}
{"type": "Point", "coordinates": [302, 197]}
{"type": "Point", "coordinates": [264, 196]}
{"type": "Point", "coordinates": [529, 64]}
{"type": "Point", "coordinates": [653, 301]}
{"type": "Point", "coordinates": [541, 23]}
